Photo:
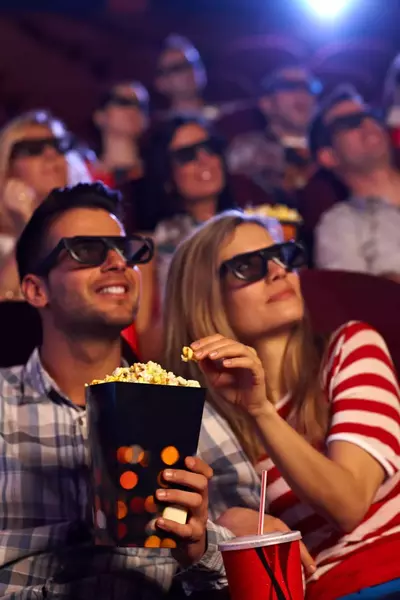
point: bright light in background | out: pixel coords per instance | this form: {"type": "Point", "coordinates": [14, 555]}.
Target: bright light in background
{"type": "Point", "coordinates": [328, 8]}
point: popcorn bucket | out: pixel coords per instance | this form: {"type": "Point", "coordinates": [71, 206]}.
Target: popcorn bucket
{"type": "Point", "coordinates": [136, 431]}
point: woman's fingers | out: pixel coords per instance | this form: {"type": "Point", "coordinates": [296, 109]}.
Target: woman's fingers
{"type": "Point", "coordinates": [225, 349]}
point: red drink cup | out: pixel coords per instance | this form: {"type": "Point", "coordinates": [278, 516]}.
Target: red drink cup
{"type": "Point", "coordinates": [264, 566]}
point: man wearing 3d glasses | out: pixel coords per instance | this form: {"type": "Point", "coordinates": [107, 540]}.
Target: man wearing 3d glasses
{"type": "Point", "coordinates": [79, 270]}
{"type": "Point", "coordinates": [276, 158]}
{"type": "Point", "coordinates": [362, 234]}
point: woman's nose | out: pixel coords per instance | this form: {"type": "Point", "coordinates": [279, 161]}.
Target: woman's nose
{"type": "Point", "coordinates": [50, 152]}
{"type": "Point", "coordinates": [276, 269]}
{"type": "Point", "coordinates": [203, 156]}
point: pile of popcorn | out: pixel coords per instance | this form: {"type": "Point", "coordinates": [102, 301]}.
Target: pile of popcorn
{"type": "Point", "coordinates": [280, 212]}
{"type": "Point", "coordinates": [150, 372]}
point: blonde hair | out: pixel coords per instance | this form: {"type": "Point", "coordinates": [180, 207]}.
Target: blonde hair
{"type": "Point", "coordinates": [15, 131]}
{"type": "Point", "coordinates": [194, 309]}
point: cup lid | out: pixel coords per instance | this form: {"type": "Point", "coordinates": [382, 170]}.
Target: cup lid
{"type": "Point", "coordinates": [259, 541]}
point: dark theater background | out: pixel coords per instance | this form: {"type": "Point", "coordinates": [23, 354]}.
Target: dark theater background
{"type": "Point", "coordinates": [62, 53]}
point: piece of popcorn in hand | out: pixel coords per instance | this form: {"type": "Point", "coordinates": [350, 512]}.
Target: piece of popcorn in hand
{"type": "Point", "coordinates": [187, 354]}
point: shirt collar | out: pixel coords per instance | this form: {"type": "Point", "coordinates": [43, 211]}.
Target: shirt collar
{"type": "Point", "coordinates": [363, 201]}
{"type": "Point", "coordinates": [38, 383]}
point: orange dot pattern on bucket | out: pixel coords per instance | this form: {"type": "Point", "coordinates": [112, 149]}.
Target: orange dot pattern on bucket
{"type": "Point", "coordinates": [168, 543]}
{"type": "Point", "coordinates": [128, 480]}
{"type": "Point", "coordinates": [137, 505]}
{"type": "Point", "coordinates": [153, 541]}
{"type": "Point", "coordinates": [122, 509]}
{"type": "Point", "coordinates": [169, 455]}
{"type": "Point", "coordinates": [150, 505]}
{"type": "Point", "coordinates": [122, 530]}
{"type": "Point", "coordinates": [130, 454]}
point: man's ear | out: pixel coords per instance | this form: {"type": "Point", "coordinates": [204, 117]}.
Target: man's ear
{"type": "Point", "coordinates": [35, 291]}
{"type": "Point", "coordinates": [327, 158]}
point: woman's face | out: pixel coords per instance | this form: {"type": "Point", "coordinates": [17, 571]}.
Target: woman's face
{"type": "Point", "coordinates": [197, 167]}
{"type": "Point", "coordinates": [41, 166]}
{"type": "Point", "coordinates": [264, 308]}
{"type": "Point", "coordinates": [125, 113]}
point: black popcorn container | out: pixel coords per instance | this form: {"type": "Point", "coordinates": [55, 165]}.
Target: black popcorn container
{"type": "Point", "coordinates": [136, 431]}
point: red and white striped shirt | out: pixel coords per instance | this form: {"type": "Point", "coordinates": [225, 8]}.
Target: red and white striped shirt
{"type": "Point", "coordinates": [360, 383]}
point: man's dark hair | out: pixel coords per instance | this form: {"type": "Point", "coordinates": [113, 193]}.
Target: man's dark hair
{"type": "Point", "coordinates": [318, 135]}
{"type": "Point", "coordinates": [183, 44]}
{"type": "Point", "coordinates": [270, 81]}
{"type": "Point", "coordinates": [32, 242]}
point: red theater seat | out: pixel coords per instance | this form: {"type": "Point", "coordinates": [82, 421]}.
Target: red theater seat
{"type": "Point", "coordinates": [335, 297]}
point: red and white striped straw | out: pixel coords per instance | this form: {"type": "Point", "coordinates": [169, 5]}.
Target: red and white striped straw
{"type": "Point", "coordinates": [262, 502]}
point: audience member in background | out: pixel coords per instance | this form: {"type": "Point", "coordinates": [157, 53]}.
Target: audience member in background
{"type": "Point", "coordinates": [87, 292]}
{"type": "Point", "coordinates": [188, 165]}
{"type": "Point", "coordinates": [276, 159]}
{"type": "Point", "coordinates": [391, 100]}
{"type": "Point", "coordinates": [181, 78]}
{"type": "Point", "coordinates": [122, 120]}
{"type": "Point", "coordinates": [361, 234]}
{"type": "Point", "coordinates": [36, 155]}
{"type": "Point", "coordinates": [322, 418]}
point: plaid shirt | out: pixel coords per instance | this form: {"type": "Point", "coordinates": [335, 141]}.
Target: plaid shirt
{"type": "Point", "coordinates": [45, 535]}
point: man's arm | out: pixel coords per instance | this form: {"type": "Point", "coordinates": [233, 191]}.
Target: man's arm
{"type": "Point", "coordinates": [209, 572]}
{"type": "Point", "coordinates": [235, 482]}
{"type": "Point", "coordinates": [338, 242]}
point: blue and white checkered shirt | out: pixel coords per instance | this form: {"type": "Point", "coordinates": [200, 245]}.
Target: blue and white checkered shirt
{"type": "Point", "coordinates": [46, 549]}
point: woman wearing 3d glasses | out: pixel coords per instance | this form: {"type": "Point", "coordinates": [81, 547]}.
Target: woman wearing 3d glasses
{"type": "Point", "coordinates": [36, 156]}
{"type": "Point", "coordinates": [322, 419]}
{"type": "Point", "coordinates": [121, 119]}
{"type": "Point", "coordinates": [187, 164]}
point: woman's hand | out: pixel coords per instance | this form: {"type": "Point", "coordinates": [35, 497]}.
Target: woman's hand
{"type": "Point", "coordinates": [19, 201]}
{"type": "Point", "coordinates": [234, 371]}
{"type": "Point", "coordinates": [244, 521]}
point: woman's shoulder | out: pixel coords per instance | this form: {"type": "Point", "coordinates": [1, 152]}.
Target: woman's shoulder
{"type": "Point", "coordinates": [358, 331]}
{"type": "Point", "coordinates": [173, 229]}
{"type": "Point", "coordinates": [352, 342]}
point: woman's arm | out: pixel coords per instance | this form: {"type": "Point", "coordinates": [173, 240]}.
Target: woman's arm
{"type": "Point", "coordinates": [364, 430]}
{"type": "Point", "coordinates": [244, 521]}
{"type": "Point", "coordinates": [340, 486]}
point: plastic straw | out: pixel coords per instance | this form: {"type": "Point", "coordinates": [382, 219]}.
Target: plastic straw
{"type": "Point", "coordinates": [262, 502]}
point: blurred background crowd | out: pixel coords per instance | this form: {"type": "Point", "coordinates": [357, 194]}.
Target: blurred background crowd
{"type": "Point", "coordinates": [193, 108]}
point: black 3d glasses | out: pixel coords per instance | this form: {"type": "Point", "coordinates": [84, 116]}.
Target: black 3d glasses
{"type": "Point", "coordinates": [351, 121]}
{"type": "Point", "coordinates": [35, 147]}
{"type": "Point", "coordinates": [178, 67]}
{"type": "Point", "coordinates": [124, 102]}
{"type": "Point", "coordinates": [92, 251]}
{"type": "Point", "coordinates": [253, 266]}
{"type": "Point", "coordinates": [187, 154]}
